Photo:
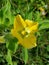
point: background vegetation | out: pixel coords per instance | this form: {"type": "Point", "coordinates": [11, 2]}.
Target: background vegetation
{"type": "Point", "coordinates": [10, 52]}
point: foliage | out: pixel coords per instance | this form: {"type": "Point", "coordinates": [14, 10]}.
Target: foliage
{"type": "Point", "coordinates": [10, 52]}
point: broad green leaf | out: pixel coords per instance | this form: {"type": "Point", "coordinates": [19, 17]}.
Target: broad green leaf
{"type": "Point", "coordinates": [11, 43]}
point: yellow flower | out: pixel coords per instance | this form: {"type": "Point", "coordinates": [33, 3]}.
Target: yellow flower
{"type": "Point", "coordinates": [24, 31]}
{"type": "Point", "coordinates": [41, 9]}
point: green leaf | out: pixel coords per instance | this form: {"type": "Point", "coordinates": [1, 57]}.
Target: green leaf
{"type": "Point", "coordinates": [32, 63]}
{"type": "Point", "coordinates": [25, 55]}
{"type": "Point", "coordinates": [44, 21]}
{"type": "Point", "coordinates": [14, 45]}
{"type": "Point", "coordinates": [48, 48]}
{"type": "Point", "coordinates": [29, 16]}
{"type": "Point", "coordinates": [11, 43]}
{"type": "Point", "coordinates": [9, 58]}
{"type": "Point", "coordinates": [7, 13]}
{"type": "Point", "coordinates": [44, 25]}
{"type": "Point", "coordinates": [38, 16]}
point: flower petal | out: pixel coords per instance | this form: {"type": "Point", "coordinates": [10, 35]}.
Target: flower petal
{"type": "Point", "coordinates": [28, 22]}
{"type": "Point", "coordinates": [19, 23]}
{"type": "Point", "coordinates": [27, 42]}
{"type": "Point", "coordinates": [33, 28]}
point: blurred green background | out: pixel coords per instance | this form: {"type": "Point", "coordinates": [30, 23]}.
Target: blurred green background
{"type": "Point", "coordinates": [10, 52]}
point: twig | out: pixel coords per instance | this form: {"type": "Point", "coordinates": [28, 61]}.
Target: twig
{"type": "Point", "coordinates": [18, 58]}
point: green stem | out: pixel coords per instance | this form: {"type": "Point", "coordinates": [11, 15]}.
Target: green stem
{"type": "Point", "coordinates": [26, 55]}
